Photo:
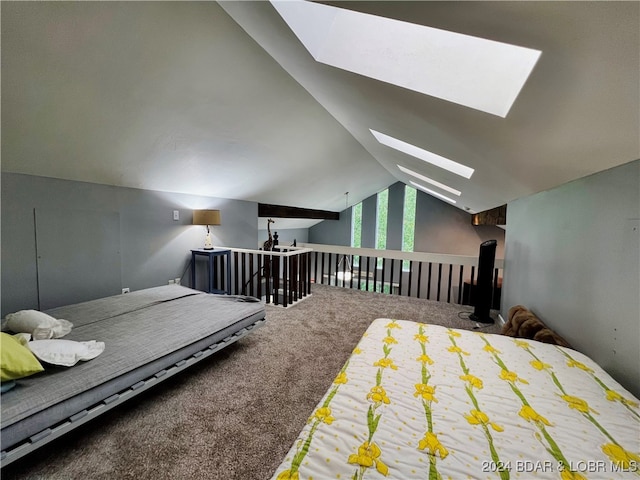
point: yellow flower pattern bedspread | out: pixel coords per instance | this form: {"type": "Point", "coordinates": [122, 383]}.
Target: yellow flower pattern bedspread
{"type": "Point", "coordinates": [419, 401]}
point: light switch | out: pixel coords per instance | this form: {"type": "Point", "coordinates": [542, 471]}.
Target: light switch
{"type": "Point", "coordinates": [176, 215]}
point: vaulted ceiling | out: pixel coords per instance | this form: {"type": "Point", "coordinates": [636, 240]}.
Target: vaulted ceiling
{"type": "Point", "coordinates": [223, 99]}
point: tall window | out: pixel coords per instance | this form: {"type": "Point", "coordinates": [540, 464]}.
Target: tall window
{"type": "Point", "coordinates": [356, 225]}
{"type": "Point", "coordinates": [356, 230]}
{"type": "Point", "coordinates": [381, 220]}
{"type": "Point", "coordinates": [382, 211]}
{"type": "Point", "coordinates": [408, 222]}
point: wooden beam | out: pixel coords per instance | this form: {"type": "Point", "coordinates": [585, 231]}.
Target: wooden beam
{"type": "Point", "coordinates": [280, 211]}
{"type": "Point", "coordinates": [494, 216]}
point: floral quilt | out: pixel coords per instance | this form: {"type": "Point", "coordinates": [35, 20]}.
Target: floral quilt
{"type": "Point", "coordinates": [423, 401]}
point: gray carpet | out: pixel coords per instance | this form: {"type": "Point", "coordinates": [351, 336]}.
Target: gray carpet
{"type": "Point", "coordinates": [235, 415]}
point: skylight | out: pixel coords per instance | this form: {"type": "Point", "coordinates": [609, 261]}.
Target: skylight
{"type": "Point", "coordinates": [433, 182]}
{"type": "Point", "coordinates": [439, 195]}
{"type": "Point", "coordinates": [478, 73]}
{"type": "Point", "coordinates": [432, 158]}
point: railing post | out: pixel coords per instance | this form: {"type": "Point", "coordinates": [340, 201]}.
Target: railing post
{"type": "Point", "coordinates": [267, 276]}
{"type": "Point", "coordinates": [275, 267]}
{"type": "Point", "coordinates": [301, 275]}
{"type": "Point", "coordinates": [308, 254]}
{"type": "Point", "coordinates": [235, 273]}
{"type": "Point", "coordinates": [315, 267]}
{"type": "Point", "coordinates": [384, 262]}
{"type": "Point", "coordinates": [375, 274]}
{"type": "Point", "coordinates": [391, 281]}
{"type": "Point", "coordinates": [293, 280]}
{"type": "Point", "coordinates": [243, 269]}
{"type": "Point", "coordinates": [285, 288]}
{"type": "Point", "coordinates": [290, 274]}
{"type": "Point", "coordinates": [251, 274]}
{"type": "Point", "coordinates": [255, 276]}
{"type": "Point", "coordinates": [367, 277]}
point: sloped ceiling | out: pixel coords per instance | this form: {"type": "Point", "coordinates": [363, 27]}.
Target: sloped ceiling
{"type": "Point", "coordinates": [223, 100]}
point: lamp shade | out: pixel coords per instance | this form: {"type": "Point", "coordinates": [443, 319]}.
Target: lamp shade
{"type": "Point", "coordinates": [206, 217]}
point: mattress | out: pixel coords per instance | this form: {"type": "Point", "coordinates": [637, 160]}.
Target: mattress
{"type": "Point", "coordinates": [144, 332]}
{"type": "Point", "coordinates": [423, 401]}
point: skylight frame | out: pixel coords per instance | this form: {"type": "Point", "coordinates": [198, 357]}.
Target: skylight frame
{"type": "Point", "coordinates": [424, 155]}
{"type": "Point", "coordinates": [431, 181]}
{"type": "Point", "coordinates": [432, 192]}
{"type": "Point", "coordinates": [475, 72]}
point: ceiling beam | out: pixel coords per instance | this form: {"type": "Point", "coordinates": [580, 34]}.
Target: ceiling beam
{"type": "Point", "coordinates": [495, 216]}
{"type": "Point", "coordinates": [280, 211]}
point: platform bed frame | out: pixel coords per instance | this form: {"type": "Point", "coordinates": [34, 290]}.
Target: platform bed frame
{"type": "Point", "coordinates": [167, 366]}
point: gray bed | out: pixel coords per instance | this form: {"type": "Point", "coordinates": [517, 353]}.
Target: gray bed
{"type": "Point", "coordinates": [149, 335]}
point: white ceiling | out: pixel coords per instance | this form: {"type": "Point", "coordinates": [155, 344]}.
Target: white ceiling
{"type": "Point", "coordinates": [223, 100]}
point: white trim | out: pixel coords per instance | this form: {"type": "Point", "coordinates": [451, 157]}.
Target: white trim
{"type": "Point", "coordinates": [424, 155]}
{"type": "Point", "coordinates": [466, 260]}
{"type": "Point", "coordinates": [273, 253]}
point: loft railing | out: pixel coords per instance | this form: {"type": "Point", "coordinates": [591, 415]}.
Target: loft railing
{"type": "Point", "coordinates": [281, 276]}
{"type": "Point", "coordinates": [441, 277]}
{"type": "Point", "coordinates": [284, 276]}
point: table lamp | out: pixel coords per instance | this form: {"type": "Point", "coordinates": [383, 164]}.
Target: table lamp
{"type": "Point", "coordinates": [208, 218]}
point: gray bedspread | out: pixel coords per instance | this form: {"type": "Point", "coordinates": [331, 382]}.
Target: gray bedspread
{"type": "Point", "coordinates": [137, 328]}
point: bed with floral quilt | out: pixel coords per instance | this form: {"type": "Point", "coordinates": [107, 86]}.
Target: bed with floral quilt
{"type": "Point", "coordinates": [423, 401]}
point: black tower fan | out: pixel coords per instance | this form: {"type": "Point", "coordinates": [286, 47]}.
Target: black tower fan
{"type": "Point", "coordinates": [484, 292]}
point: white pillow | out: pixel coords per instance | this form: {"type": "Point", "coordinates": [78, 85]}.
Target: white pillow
{"type": "Point", "coordinates": [38, 324]}
{"type": "Point", "coordinates": [65, 352]}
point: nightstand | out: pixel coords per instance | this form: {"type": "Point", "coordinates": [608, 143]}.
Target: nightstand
{"type": "Point", "coordinates": [225, 260]}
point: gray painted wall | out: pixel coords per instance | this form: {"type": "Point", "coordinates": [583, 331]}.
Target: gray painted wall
{"type": "Point", "coordinates": [443, 228]}
{"type": "Point", "coordinates": [439, 227]}
{"type": "Point", "coordinates": [572, 257]}
{"type": "Point", "coordinates": [332, 232]}
{"type": "Point", "coordinates": [369, 224]}
{"type": "Point", "coordinates": [395, 216]}
{"type": "Point", "coordinates": [153, 248]}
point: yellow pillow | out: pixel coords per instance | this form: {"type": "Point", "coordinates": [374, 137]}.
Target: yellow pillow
{"type": "Point", "coordinates": [16, 361]}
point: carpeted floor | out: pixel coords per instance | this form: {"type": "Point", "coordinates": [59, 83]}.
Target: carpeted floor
{"type": "Point", "coordinates": [235, 415]}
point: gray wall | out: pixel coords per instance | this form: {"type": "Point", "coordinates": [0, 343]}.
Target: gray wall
{"type": "Point", "coordinates": [332, 232]}
{"type": "Point", "coordinates": [439, 227]}
{"type": "Point", "coordinates": [572, 257]}
{"type": "Point", "coordinates": [394, 222]}
{"type": "Point", "coordinates": [443, 228]}
{"type": "Point", "coordinates": [152, 247]}
{"type": "Point", "coordinates": [369, 225]}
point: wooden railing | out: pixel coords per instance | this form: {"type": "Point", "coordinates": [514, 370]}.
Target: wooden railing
{"type": "Point", "coordinates": [440, 277]}
{"type": "Point", "coordinates": [284, 276]}
{"type": "Point", "coordinates": [281, 276]}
